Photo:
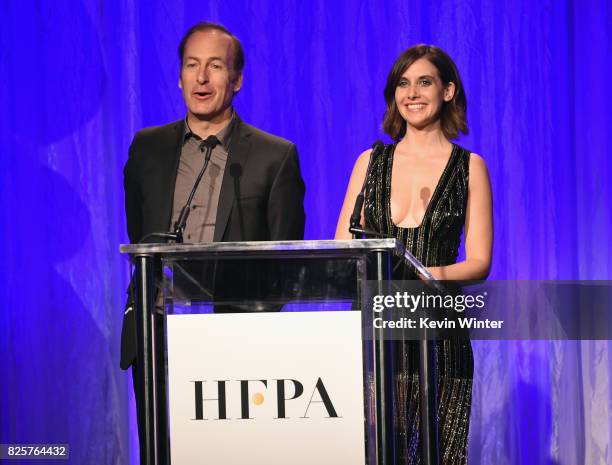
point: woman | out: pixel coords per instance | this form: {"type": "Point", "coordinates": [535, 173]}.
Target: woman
{"type": "Point", "coordinates": [424, 190]}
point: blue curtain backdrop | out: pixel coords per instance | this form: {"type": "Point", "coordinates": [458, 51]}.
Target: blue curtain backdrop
{"type": "Point", "coordinates": [79, 78]}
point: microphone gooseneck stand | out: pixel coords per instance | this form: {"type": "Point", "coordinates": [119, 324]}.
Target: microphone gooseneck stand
{"type": "Point", "coordinates": [355, 221]}
{"type": "Point", "coordinates": [207, 146]}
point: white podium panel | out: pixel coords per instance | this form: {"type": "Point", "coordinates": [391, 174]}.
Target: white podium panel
{"type": "Point", "coordinates": [266, 388]}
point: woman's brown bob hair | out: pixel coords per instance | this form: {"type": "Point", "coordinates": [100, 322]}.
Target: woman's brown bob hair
{"type": "Point", "coordinates": [453, 117]}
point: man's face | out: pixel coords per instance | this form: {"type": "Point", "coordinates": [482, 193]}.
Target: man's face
{"type": "Point", "coordinates": [207, 77]}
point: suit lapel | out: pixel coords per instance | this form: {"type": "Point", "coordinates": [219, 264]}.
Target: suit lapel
{"type": "Point", "coordinates": [237, 154]}
{"type": "Point", "coordinates": [173, 145]}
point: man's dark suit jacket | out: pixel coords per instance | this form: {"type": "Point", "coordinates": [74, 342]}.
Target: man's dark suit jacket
{"type": "Point", "coordinates": [261, 196]}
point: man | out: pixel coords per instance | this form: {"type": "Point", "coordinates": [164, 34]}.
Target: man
{"type": "Point", "coordinates": [252, 189]}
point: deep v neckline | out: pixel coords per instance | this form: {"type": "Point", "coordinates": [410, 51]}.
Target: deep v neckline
{"type": "Point", "coordinates": [434, 196]}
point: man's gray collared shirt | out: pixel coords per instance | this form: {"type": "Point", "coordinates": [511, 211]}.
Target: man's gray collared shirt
{"type": "Point", "coordinates": [201, 222]}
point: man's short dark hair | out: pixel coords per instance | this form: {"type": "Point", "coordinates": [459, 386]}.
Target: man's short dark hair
{"type": "Point", "coordinates": [209, 26]}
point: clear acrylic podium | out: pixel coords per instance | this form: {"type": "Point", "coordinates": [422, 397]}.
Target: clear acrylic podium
{"type": "Point", "coordinates": [236, 282]}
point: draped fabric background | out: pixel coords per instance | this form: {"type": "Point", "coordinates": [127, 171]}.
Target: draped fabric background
{"type": "Point", "coordinates": [79, 78]}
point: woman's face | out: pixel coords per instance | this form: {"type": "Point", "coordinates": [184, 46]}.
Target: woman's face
{"type": "Point", "coordinates": [420, 94]}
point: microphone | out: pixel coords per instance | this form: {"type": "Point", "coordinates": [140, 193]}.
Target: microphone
{"type": "Point", "coordinates": [206, 146]}
{"type": "Point", "coordinates": [235, 170]}
{"type": "Point", "coordinates": [210, 142]}
{"type": "Point", "coordinates": [355, 221]}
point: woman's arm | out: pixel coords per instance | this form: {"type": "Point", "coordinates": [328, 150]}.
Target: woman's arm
{"type": "Point", "coordinates": [478, 229]}
{"type": "Point", "coordinates": [354, 187]}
